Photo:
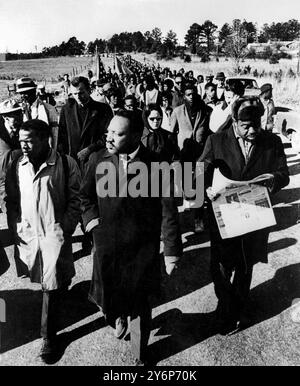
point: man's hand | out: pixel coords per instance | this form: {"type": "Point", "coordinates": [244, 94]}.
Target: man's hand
{"type": "Point", "coordinates": [211, 194]}
{"type": "Point", "coordinates": [266, 180]}
{"type": "Point", "coordinates": [171, 264]}
{"type": "Point", "coordinates": [83, 154]}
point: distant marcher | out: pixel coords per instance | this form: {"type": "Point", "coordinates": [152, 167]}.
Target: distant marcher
{"type": "Point", "coordinates": [98, 94]}
{"type": "Point", "coordinates": [115, 100]}
{"type": "Point", "coordinates": [267, 120]}
{"type": "Point", "coordinates": [200, 80]}
{"type": "Point", "coordinates": [43, 209]}
{"type": "Point", "coordinates": [35, 108]}
{"type": "Point", "coordinates": [151, 93]}
{"type": "Point", "coordinates": [190, 122]}
{"type": "Point", "coordinates": [11, 119]}
{"type": "Point", "coordinates": [66, 85]}
{"type": "Point", "coordinates": [221, 117]}
{"type": "Point", "coordinates": [220, 78]}
{"type": "Point", "coordinates": [166, 106]}
{"type": "Point", "coordinates": [83, 122]}
{"type": "Point", "coordinates": [210, 99]}
{"type": "Point", "coordinates": [45, 96]}
{"type": "Point", "coordinates": [178, 95]}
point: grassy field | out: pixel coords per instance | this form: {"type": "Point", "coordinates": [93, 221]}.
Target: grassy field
{"type": "Point", "coordinates": [286, 87]}
{"type": "Point", "coordinates": [40, 70]}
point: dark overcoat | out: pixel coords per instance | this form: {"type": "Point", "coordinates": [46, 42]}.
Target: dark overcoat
{"type": "Point", "coordinates": [74, 136]}
{"type": "Point", "coordinates": [222, 151]}
{"type": "Point", "coordinates": [127, 241]}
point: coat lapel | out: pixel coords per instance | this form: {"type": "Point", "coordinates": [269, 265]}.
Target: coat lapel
{"type": "Point", "coordinates": [187, 117]}
{"type": "Point", "coordinates": [197, 120]}
{"type": "Point", "coordinates": [91, 115]}
{"type": "Point", "coordinates": [234, 149]}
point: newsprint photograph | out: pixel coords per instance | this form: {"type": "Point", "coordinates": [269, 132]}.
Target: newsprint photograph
{"type": "Point", "coordinates": [149, 185]}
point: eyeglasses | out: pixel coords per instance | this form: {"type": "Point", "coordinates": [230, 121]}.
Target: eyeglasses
{"type": "Point", "coordinates": [155, 119]}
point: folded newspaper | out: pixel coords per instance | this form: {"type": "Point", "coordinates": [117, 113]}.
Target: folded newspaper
{"type": "Point", "coordinates": [241, 206]}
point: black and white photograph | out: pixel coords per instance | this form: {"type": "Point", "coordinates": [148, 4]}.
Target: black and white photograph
{"type": "Point", "coordinates": [127, 130]}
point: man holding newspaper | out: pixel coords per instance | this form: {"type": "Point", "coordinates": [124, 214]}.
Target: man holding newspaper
{"type": "Point", "coordinates": [246, 153]}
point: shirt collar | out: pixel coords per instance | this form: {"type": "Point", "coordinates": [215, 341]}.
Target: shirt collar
{"type": "Point", "coordinates": [49, 161]}
{"type": "Point", "coordinates": [132, 155]}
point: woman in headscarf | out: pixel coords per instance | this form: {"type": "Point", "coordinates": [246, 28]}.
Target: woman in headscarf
{"type": "Point", "coordinates": [164, 145]}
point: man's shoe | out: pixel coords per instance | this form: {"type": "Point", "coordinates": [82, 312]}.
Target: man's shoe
{"type": "Point", "coordinates": [49, 350]}
{"type": "Point", "coordinates": [121, 327]}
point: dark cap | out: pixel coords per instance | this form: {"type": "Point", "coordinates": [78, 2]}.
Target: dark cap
{"type": "Point", "coordinates": [220, 75]}
{"type": "Point", "coordinates": [266, 87]}
{"type": "Point", "coordinates": [247, 108]}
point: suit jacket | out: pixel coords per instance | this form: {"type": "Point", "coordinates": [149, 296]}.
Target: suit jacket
{"type": "Point", "coordinates": [74, 136]}
{"type": "Point", "coordinates": [191, 138]}
{"type": "Point", "coordinates": [126, 258]}
{"type": "Point", "coordinates": [222, 151]}
{"type": "Point", "coordinates": [8, 147]}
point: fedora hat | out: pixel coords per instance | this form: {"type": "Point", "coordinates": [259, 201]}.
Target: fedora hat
{"type": "Point", "coordinates": [220, 75]}
{"type": "Point", "coordinates": [9, 106]}
{"type": "Point", "coordinates": [265, 87]}
{"type": "Point", "coordinates": [25, 84]}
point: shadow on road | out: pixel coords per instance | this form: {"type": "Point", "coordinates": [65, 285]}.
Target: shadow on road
{"type": "Point", "coordinates": [24, 315]}
{"type": "Point", "coordinates": [4, 262]}
{"type": "Point", "coordinates": [281, 244]}
{"type": "Point", "coordinates": [186, 330]}
{"type": "Point", "coordinates": [275, 295]}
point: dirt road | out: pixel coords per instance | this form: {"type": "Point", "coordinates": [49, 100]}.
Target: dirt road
{"type": "Point", "coordinates": [183, 331]}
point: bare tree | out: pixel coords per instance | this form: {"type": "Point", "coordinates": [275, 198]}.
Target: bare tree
{"type": "Point", "coordinates": [236, 44]}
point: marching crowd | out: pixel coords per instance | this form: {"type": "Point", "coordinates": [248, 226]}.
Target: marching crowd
{"type": "Point", "coordinates": [50, 172]}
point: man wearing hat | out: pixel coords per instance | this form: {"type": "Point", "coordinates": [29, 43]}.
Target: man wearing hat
{"type": "Point", "coordinates": [35, 108]}
{"type": "Point", "coordinates": [98, 94]}
{"type": "Point", "coordinates": [11, 118]}
{"type": "Point", "coordinates": [267, 120]}
{"type": "Point", "coordinates": [241, 153]}
{"type": "Point", "coordinates": [220, 78]}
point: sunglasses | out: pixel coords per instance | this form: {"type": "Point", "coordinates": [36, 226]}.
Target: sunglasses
{"type": "Point", "coordinates": [155, 119]}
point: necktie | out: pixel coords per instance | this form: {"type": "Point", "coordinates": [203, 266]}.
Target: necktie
{"type": "Point", "coordinates": [247, 146]}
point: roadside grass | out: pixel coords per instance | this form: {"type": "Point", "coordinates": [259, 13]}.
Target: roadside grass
{"type": "Point", "coordinates": [41, 70]}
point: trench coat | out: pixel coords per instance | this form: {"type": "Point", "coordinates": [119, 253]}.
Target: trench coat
{"type": "Point", "coordinates": [43, 213]}
{"type": "Point", "coordinates": [191, 137]}
{"type": "Point", "coordinates": [222, 151]}
{"type": "Point", "coordinates": [127, 241]}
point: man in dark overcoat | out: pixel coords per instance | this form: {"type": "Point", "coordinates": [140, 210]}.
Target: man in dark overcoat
{"type": "Point", "coordinates": [83, 122]}
{"type": "Point", "coordinates": [241, 153]}
{"type": "Point", "coordinates": [126, 234]}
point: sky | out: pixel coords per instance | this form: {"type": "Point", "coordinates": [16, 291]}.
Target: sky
{"type": "Point", "coordinates": [25, 24]}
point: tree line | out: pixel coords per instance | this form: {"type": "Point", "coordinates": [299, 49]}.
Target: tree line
{"type": "Point", "coordinates": [201, 39]}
